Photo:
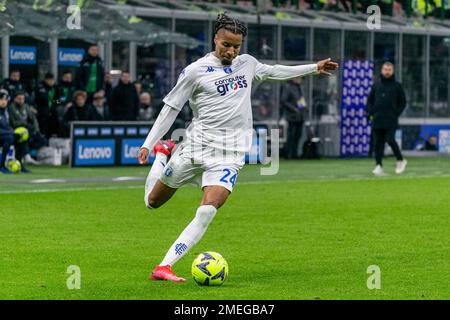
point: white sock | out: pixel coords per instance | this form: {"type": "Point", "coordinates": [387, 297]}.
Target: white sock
{"type": "Point", "coordinates": [191, 235]}
{"type": "Point", "coordinates": [154, 174]}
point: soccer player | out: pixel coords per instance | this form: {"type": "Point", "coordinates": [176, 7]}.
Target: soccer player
{"type": "Point", "coordinates": [218, 87]}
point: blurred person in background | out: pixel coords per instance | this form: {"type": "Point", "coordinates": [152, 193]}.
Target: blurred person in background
{"type": "Point", "coordinates": [66, 88]}
{"type": "Point", "coordinates": [108, 87]}
{"type": "Point", "coordinates": [124, 100]}
{"type": "Point", "coordinates": [98, 111]}
{"type": "Point", "coordinates": [6, 131]}
{"type": "Point", "coordinates": [147, 111]}
{"type": "Point", "coordinates": [20, 115]}
{"type": "Point", "coordinates": [13, 83]}
{"type": "Point", "coordinates": [294, 109]}
{"type": "Point", "coordinates": [138, 86]}
{"type": "Point", "coordinates": [77, 112]}
{"type": "Point", "coordinates": [46, 99]}
{"type": "Point", "coordinates": [385, 104]}
{"type": "Point", "coordinates": [90, 75]}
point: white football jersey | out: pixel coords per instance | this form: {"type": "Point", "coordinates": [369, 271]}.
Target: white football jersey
{"type": "Point", "coordinates": [219, 97]}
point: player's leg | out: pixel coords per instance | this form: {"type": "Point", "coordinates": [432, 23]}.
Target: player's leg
{"type": "Point", "coordinates": [5, 144]}
{"type": "Point", "coordinates": [213, 198]}
{"type": "Point", "coordinates": [401, 162]}
{"type": "Point", "coordinates": [217, 184]}
{"type": "Point", "coordinates": [157, 193]}
{"type": "Point", "coordinates": [379, 141]}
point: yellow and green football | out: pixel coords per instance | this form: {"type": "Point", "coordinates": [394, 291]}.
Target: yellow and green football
{"type": "Point", "coordinates": [13, 165]}
{"type": "Point", "coordinates": [23, 134]}
{"type": "Point", "coordinates": [209, 269]}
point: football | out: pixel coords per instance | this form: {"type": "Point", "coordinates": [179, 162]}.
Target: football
{"type": "Point", "coordinates": [209, 269]}
{"type": "Point", "coordinates": [13, 166]}
{"type": "Point", "coordinates": [22, 133]}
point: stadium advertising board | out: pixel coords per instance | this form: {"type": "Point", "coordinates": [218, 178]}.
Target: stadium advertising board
{"type": "Point", "coordinates": [355, 128]}
{"type": "Point", "coordinates": [117, 143]}
{"type": "Point", "coordinates": [22, 55]}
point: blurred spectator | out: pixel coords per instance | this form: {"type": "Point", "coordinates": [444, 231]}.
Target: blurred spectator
{"type": "Point", "coordinates": [66, 88]}
{"type": "Point", "coordinates": [431, 143]}
{"type": "Point", "coordinates": [98, 111]}
{"type": "Point", "coordinates": [124, 100]}
{"type": "Point", "coordinates": [108, 87]}
{"type": "Point", "coordinates": [90, 75]}
{"type": "Point", "coordinates": [385, 104]}
{"type": "Point", "coordinates": [46, 99]}
{"type": "Point", "coordinates": [294, 109]}
{"type": "Point", "coordinates": [6, 132]}
{"type": "Point", "coordinates": [20, 115]}
{"type": "Point", "coordinates": [138, 86]}
{"type": "Point", "coordinates": [77, 112]}
{"type": "Point", "coordinates": [13, 83]}
{"type": "Point", "coordinates": [147, 111]}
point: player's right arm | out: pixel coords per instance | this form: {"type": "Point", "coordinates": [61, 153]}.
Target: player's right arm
{"type": "Point", "coordinates": [162, 124]}
{"type": "Point", "coordinates": [174, 102]}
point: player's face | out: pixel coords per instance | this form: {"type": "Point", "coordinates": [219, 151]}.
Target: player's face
{"type": "Point", "coordinates": [228, 45]}
{"type": "Point", "coordinates": [387, 71]}
{"type": "Point", "coordinates": [125, 78]}
{"type": "Point", "coordinates": [67, 77]}
{"type": "Point", "coordinates": [3, 102]}
{"type": "Point", "coordinates": [93, 51]}
{"type": "Point", "coordinates": [80, 101]}
{"type": "Point", "coordinates": [15, 76]}
{"type": "Point", "coordinates": [20, 99]}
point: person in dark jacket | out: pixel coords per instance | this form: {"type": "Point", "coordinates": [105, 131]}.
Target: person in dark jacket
{"type": "Point", "coordinates": [98, 111]}
{"type": "Point", "coordinates": [46, 99]}
{"type": "Point", "coordinates": [66, 88]}
{"type": "Point", "coordinates": [90, 74]}
{"type": "Point", "coordinates": [124, 100]}
{"type": "Point", "coordinates": [108, 87]}
{"type": "Point", "coordinates": [20, 115]}
{"type": "Point", "coordinates": [294, 108]}
{"type": "Point", "coordinates": [147, 110]}
{"type": "Point", "coordinates": [385, 104]}
{"type": "Point", "coordinates": [6, 132]}
{"type": "Point", "coordinates": [13, 83]}
{"type": "Point", "coordinates": [77, 112]}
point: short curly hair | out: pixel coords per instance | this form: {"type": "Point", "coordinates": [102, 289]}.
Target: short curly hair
{"type": "Point", "coordinates": [233, 25]}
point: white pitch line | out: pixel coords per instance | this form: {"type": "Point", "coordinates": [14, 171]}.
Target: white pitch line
{"type": "Point", "coordinates": [332, 179]}
{"type": "Point", "coordinates": [69, 189]}
{"type": "Point", "coordinates": [48, 180]}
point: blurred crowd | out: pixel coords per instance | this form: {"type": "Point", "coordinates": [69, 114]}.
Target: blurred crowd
{"type": "Point", "coordinates": [88, 94]}
{"type": "Point", "coordinates": [404, 8]}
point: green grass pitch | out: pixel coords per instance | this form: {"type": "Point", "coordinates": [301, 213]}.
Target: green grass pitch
{"type": "Point", "coordinates": [309, 232]}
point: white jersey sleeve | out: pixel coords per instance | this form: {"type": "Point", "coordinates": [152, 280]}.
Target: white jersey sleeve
{"type": "Point", "coordinates": [162, 124]}
{"type": "Point", "coordinates": [280, 72]}
{"type": "Point", "coordinates": [183, 90]}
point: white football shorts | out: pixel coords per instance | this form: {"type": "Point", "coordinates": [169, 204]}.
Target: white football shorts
{"type": "Point", "coordinates": [202, 166]}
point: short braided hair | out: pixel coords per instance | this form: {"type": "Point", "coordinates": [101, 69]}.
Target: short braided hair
{"type": "Point", "coordinates": [233, 25]}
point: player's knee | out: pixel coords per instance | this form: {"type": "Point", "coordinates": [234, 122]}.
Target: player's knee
{"type": "Point", "coordinates": [150, 202]}
{"type": "Point", "coordinates": [213, 202]}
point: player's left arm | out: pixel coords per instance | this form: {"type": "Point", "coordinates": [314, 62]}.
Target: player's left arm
{"type": "Point", "coordinates": [281, 72]}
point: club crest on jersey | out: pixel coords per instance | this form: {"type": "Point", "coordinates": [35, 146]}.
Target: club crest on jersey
{"type": "Point", "coordinates": [231, 84]}
{"type": "Point", "coordinates": [228, 70]}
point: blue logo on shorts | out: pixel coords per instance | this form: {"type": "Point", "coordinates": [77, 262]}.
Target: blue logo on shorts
{"type": "Point", "coordinates": [168, 172]}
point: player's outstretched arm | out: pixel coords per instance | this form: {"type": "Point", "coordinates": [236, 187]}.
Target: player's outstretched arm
{"type": "Point", "coordinates": [162, 124]}
{"type": "Point", "coordinates": [281, 72]}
